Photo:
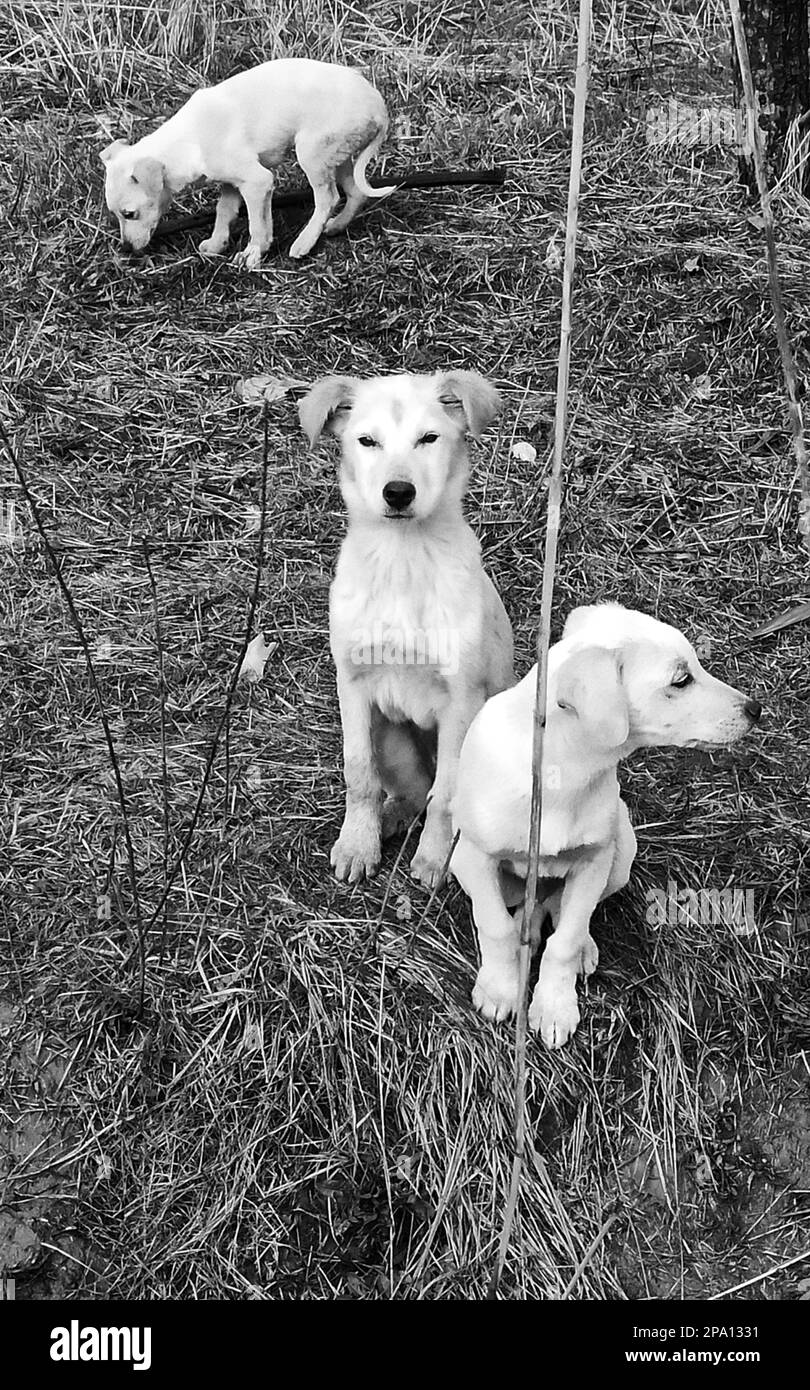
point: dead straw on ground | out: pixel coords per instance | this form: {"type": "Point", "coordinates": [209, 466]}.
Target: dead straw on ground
{"type": "Point", "coordinates": [296, 1113]}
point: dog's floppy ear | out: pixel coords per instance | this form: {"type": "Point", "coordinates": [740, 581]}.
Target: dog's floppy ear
{"type": "Point", "coordinates": [469, 392]}
{"type": "Point", "coordinates": [589, 683]}
{"type": "Point", "coordinates": [320, 408]}
{"type": "Point", "coordinates": [110, 150]}
{"type": "Point", "coordinates": [150, 174]}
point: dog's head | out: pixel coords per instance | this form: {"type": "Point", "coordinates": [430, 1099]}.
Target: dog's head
{"type": "Point", "coordinates": [404, 455]}
{"type": "Point", "coordinates": [136, 191]}
{"type": "Point", "coordinates": [629, 681]}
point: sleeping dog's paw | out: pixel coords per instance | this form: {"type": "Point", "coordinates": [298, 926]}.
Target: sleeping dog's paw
{"type": "Point", "coordinates": [554, 1012]}
{"type": "Point", "coordinates": [355, 855]}
{"type": "Point", "coordinates": [495, 994]}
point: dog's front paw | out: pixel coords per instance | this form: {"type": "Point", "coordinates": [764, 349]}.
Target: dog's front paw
{"type": "Point", "coordinates": [210, 247]}
{"type": "Point", "coordinates": [589, 958]}
{"type": "Point", "coordinates": [427, 870]}
{"type": "Point", "coordinates": [495, 993]}
{"type": "Point", "coordinates": [355, 855]}
{"type": "Point", "coordinates": [250, 258]}
{"type": "Point", "coordinates": [554, 1012]}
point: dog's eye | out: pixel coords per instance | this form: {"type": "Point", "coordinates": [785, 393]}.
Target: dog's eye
{"type": "Point", "coordinates": [428, 439]}
{"type": "Point", "coordinates": [366, 441]}
{"type": "Point", "coordinates": [686, 679]}
{"type": "Point", "coordinates": [129, 216]}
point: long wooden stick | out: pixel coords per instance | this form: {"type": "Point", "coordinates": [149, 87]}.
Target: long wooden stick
{"type": "Point", "coordinates": [544, 630]}
{"type": "Point", "coordinates": [295, 197]}
{"type": "Point", "coordinates": [786, 352]}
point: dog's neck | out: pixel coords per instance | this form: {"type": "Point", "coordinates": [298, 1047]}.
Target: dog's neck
{"type": "Point", "coordinates": [581, 770]}
{"type": "Point", "coordinates": [180, 156]}
{"type": "Point", "coordinates": [446, 527]}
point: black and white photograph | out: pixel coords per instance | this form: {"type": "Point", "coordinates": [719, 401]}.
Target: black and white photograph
{"type": "Point", "coordinates": [405, 665]}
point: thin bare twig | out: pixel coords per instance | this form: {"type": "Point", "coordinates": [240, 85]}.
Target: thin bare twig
{"type": "Point", "coordinates": [757, 1278]}
{"type": "Point", "coordinates": [295, 197]}
{"type": "Point", "coordinates": [224, 717]}
{"type": "Point", "coordinates": [164, 767]}
{"type": "Point", "coordinates": [786, 352]}
{"type": "Point", "coordinates": [544, 632]}
{"type": "Point", "coordinates": [105, 723]}
{"type": "Point", "coordinates": [587, 1257]}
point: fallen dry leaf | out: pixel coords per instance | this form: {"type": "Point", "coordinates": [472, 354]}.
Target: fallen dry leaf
{"type": "Point", "coordinates": [255, 390]}
{"type": "Point", "coordinates": [252, 668]}
{"type": "Point", "coordinates": [553, 255]}
{"type": "Point", "coordinates": [793, 615]}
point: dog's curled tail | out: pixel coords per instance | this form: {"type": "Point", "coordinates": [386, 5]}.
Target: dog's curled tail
{"type": "Point", "coordinates": [361, 164]}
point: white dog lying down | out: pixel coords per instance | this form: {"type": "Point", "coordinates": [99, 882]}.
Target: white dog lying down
{"type": "Point", "coordinates": [618, 680]}
{"type": "Point", "coordinates": [419, 635]}
{"type": "Point", "coordinates": [236, 133]}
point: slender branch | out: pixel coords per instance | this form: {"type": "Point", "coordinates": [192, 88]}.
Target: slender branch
{"type": "Point", "coordinates": [224, 717]}
{"type": "Point", "coordinates": [164, 766]}
{"type": "Point", "coordinates": [544, 632]}
{"type": "Point", "coordinates": [786, 352]}
{"type": "Point", "coordinates": [298, 197]}
{"type": "Point", "coordinates": [105, 723]}
{"type": "Point", "coordinates": [587, 1257]}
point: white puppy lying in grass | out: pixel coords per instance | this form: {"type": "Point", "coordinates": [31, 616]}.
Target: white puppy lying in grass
{"type": "Point", "coordinates": [419, 635]}
{"type": "Point", "coordinates": [236, 133]}
{"type": "Point", "coordinates": [618, 680]}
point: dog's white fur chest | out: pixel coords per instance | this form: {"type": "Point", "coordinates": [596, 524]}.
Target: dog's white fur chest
{"type": "Point", "coordinates": [573, 817]}
{"type": "Point", "coordinates": [405, 609]}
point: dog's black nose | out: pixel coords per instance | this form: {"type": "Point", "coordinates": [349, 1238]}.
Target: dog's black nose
{"type": "Point", "coordinates": [399, 495]}
{"type": "Point", "coordinates": [753, 709]}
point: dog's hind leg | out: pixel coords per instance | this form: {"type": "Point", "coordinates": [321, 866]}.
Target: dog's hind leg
{"type": "Point", "coordinates": [547, 902]}
{"type": "Point", "coordinates": [314, 160]}
{"type": "Point", "coordinates": [405, 771]}
{"type": "Point", "coordinates": [354, 200]}
{"type": "Point", "coordinates": [434, 843]}
{"type": "Point", "coordinates": [550, 907]}
{"type": "Point", "coordinates": [623, 855]}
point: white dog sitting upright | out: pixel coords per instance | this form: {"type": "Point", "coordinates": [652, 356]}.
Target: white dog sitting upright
{"type": "Point", "coordinates": [235, 134]}
{"type": "Point", "coordinates": [419, 635]}
{"type": "Point", "coordinates": [618, 680]}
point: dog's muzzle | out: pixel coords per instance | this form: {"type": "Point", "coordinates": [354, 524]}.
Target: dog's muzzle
{"type": "Point", "coordinates": [753, 709]}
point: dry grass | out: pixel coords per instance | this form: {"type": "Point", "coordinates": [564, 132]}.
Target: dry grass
{"type": "Point", "coordinates": [307, 1106]}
